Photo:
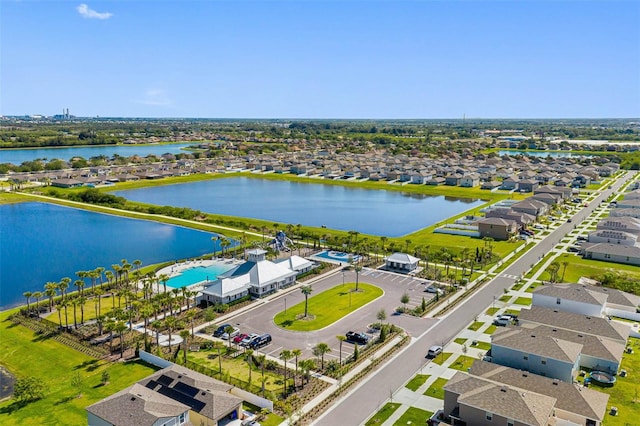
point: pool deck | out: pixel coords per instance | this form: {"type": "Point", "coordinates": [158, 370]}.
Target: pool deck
{"type": "Point", "coordinates": [177, 268]}
{"type": "Point", "coordinates": [343, 260]}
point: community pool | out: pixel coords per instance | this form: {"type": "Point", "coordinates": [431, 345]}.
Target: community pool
{"type": "Point", "coordinates": [337, 256]}
{"type": "Point", "coordinates": [198, 274]}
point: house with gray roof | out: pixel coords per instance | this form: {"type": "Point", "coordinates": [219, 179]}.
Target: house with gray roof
{"type": "Point", "coordinates": [574, 403]}
{"type": "Point", "coordinates": [625, 224]}
{"type": "Point", "coordinates": [500, 229]}
{"type": "Point", "coordinates": [574, 298]}
{"type": "Point", "coordinates": [533, 207]}
{"type": "Point", "coordinates": [632, 203]}
{"type": "Point", "coordinates": [613, 237]}
{"type": "Point", "coordinates": [401, 262]}
{"type": "Point", "coordinates": [629, 255]}
{"type": "Point", "coordinates": [172, 396]}
{"type": "Point", "coordinates": [548, 356]}
{"type": "Point", "coordinates": [476, 401]}
{"type": "Point", "coordinates": [585, 324]}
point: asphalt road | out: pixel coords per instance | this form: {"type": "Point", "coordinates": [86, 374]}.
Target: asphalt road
{"type": "Point", "coordinates": [371, 393]}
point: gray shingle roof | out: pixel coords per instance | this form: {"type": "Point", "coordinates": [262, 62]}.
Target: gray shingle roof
{"type": "Point", "coordinates": [573, 292]}
{"type": "Point", "coordinates": [581, 323]}
{"type": "Point", "coordinates": [527, 341]}
{"type": "Point", "coordinates": [570, 397]}
{"type": "Point", "coordinates": [527, 407]}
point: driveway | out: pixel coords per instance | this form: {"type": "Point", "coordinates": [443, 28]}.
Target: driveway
{"type": "Point", "coordinates": [260, 319]}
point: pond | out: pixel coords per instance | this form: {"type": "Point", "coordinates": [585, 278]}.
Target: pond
{"type": "Point", "coordinates": [42, 242]}
{"type": "Point", "coordinates": [18, 156]}
{"type": "Point", "coordinates": [377, 212]}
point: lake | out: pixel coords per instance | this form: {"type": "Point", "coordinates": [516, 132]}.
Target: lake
{"type": "Point", "coordinates": [378, 212]}
{"type": "Point", "coordinates": [18, 156]}
{"type": "Point", "coordinates": [42, 242]}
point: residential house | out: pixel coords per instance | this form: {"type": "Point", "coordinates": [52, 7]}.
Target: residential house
{"type": "Point", "coordinates": [493, 184]}
{"type": "Point", "coordinates": [570, 298]}
{"type": "Point", "coordinates": [613, 237]}
{"type": "Point", "coordinates": [625, 224]}
{"type": "Point", "coordinates": [565, 193]}
{"type": "Point", "coordinates": [401, 262]}
{"type": "Point", "coordinates": [532, 207]}
{"type": "Point", "coordinates": [574, 403]}
{"type": "Point", "coordinates": [510, 183]}
{"type": "Point", "coordinates": [470, 181]}
{"type": "Point", "coordinates": [633, 203]}
{"type": "Point", "coordinates": [518, 347]}
{"type": "Point", "coordinates": [635, 213]}
{"type": "Point", "coordinates": [453, 180]}
{"type": "Point", "coordinates": [550, 199]}
{"type": "Point", "coordinates": [172, 396]}
{"type": "Point", "coordinates": [66, 183]}
{"type": "Point", "coordinates": [528, 185]}
{"type": "Point", "coordinates": [629, 255]}
{"type": "Point", "coordinates": [497, 228]}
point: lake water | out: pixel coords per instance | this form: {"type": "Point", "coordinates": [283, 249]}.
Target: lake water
{"type": "Point", "coordinates": [378, 212]}
{"type": "Point", "coordinates": [539, 153]}
{"type": "Point", "coordinates": [18, 156]}
{"type": "Point", "coordinates": [42, 242]}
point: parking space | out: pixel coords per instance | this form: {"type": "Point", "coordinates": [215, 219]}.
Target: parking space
{"type": "Point", "coordinates": [259, 319]}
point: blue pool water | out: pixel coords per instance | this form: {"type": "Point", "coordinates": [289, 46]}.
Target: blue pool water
{"type": "Point", "coordinates": [198, 274]}
{"type": "Point", "coordinates": [337, 256]}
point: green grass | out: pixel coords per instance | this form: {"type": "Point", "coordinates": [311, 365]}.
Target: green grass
{"type": "Point", "coordinates": [625, 390]}
{"type": "Point", "coordinates": [579, 267]}
{"type": "Point", "coordinates": [526, 301]}
{"type": "Point", "coordinates": [436, 390]}
{"type": "Point", "coordinates": [490, 329]}
{"type": "Point", "coordinates": [512, 311]}
{"type": "Point", "coordinates": [413, 416]}
{"type": "Point", "coordinates": [462, 363]}
{"type": "Point", "coordinates": [271, 419]}
{"type": "Point", "coordinates": [417, 381]}
{"type": "Point", "coordinates": [475, 325]}
{"type": "Point", "coordinates": [533, 286]}
{"type": "Point", "coordinates": [485, 346]}
{"type": "Point", "coordinates": [440, 359]}
{"type": "Point", "coordinates": [460, 340]}
{"type": "Point", "coordinates": [383, 414]}
{"type": "Point", "coordinates": [516, 287]}
{"type": "Point", "coordinates": [25, 354]}
{"type": "Point", "coordinates": [505, 298]}
{"type": "Point", "coordinates": [327, 307]}
{"type": "Point", "coordinates": [492, 311]}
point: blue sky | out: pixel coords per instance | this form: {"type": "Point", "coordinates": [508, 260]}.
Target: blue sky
{"type": "Point", "coordinates": [324, 59]}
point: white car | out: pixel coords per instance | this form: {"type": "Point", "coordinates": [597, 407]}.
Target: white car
{"type": "Point", "coordinates": [234, 333]}
{"type": "Point", "coordinates": [433, 289]}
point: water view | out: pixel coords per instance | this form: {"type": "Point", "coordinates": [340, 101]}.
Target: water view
{"type": "Point", "coordinates": [377, 212]}
{"type": "Point", "coordinates": [42, 242]}
{"type": "Point", "coordinates": [18, 156]}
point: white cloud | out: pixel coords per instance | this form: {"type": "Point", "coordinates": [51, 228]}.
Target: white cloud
{"type": "Point", "coordinates": [85, 12]}
{"type": "Point", "coordinates": [156, 97]}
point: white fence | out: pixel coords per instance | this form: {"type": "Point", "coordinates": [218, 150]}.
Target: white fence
{"type": "Point", "coordinates": [154, 360]}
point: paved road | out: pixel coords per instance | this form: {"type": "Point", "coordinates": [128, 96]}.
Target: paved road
{"type": "Point", "coordinates": [368, 397]}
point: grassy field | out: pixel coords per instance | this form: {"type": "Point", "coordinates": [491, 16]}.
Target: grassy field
{"type": "Point", "coordinates": [460, 340]}
{"type": "Point", "coordinates": [417, 381]}
{"type": "Point", "coordinates": [436, 390]}
{"type": "Point", "coordinates": [526, 301]}
{"type": "Point", "coordinates": [490, 329]}
{"type": "Point", "coordinates": [383, 414]}
{"type": "Point", "coordinates": [475, 325]}
{"type": "Point", "coordinates": [491, 311]}
{"type": "Point", "coordinates": [462, 363]}
{"type": "Point", "coordinates": [579, 267]}
{"type": "Point", "coordinates": [485, 346]}
{"type": "Point", "coordinates": [413, 416]}
{"type": "Point", "coordinates": [440, 359]}
{"type": "Point", "coordinates": [327, 307]}
{"type": "Point", "coordinates": [25, 354]}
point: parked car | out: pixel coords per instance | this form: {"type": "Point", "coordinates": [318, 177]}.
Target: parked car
{"type": "Point", "coordinates": [239, 338]}
{"type": "Point", "coordinates": [434, 351]}
{"type": "Point", "coordinates": [433, 289]}
{"type": "Point", "coordinates": [220, 330]}
{"type": "Point", "coordinates": [230, 335]}
{"type": "Point", "coordinates": [260, 341]}
{"type": "Point", "coordinates": [250, 338]}
{"type": "Point", "coordinates": [502, 320]}
{"type": "Point", "coordinates": [355, 337]}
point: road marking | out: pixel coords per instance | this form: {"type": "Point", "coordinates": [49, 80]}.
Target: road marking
{"type": "Point", "coordinates": [513, 277]}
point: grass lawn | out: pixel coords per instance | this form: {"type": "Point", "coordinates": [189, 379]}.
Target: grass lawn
{"type": "Point", "coordinates": [462, 363]}
{"type": "Point", "coordinates": [490, 329]}
{"type": "Point", "coordinates": [485, 346]}
{"type": "Point", "coordinates": [579, 267]}
{"type": "Point", "coordinates": [25, 354]}
{"type": "Point", "coordinates": [328, 307]}
{"type": "Point", "coordinates": [505, 298]}
{"type": "Point", "coordinates": [272, 419]}
{"type": "Point", "coordinates": [383, 414]}
{"type": "Point", "coordinates": [441, 358]}
{"type": "Point", "coordinates": [516, 287]}
{"type": "Point", "coordinates": [492, 311]}
{"type": "Point", "coordinates": [475, 325]}
{"type": "Point", "coordinates": [436, 390]}
{"type": "Point", "coordinates": [413, 416]}
{"type": "Point", "coordinates": [625, 391]}
{"type": "Point", "coordinates": [417, 381]}
{"type": "Point", "coordinates": [532, 287]}
{"type": "Point", "coordinates": [460, 340]}
{"type": "Point", "coordinates": [523, 301]}
{"type": "Point", "coordinates": [512, 311]}
{"type": "Point", "coordinates": [238, 368]}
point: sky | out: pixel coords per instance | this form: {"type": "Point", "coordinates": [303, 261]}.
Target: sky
{"type": "Point", "coordinates": [321, 59]}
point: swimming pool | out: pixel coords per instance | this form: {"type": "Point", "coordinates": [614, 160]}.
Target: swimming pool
{"type": "Point", "coordinates": [197, 274]}
{"type": "Point", "coordinates": [336, 256]}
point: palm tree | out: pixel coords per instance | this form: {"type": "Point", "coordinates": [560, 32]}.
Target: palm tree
{"type": "Point", "coordinates": [296, 353]}
{"type": "Point", "coordinates": [225, 244]}
{"type": "Point", "coordinates": [171, 324]}
{"type": "Point", "coordinates": [61, 304]}
{"type": "Point", "coordinates": [157, 326]}
{"type": "Point", "coordinates": [319, 350]}
{"type": "Point", "coordinates": [306, 365]}
{"type": "Point", "coordinates": [146, 310]}
{"type": "Point", "coordinates": [249, 356]}
{"type": "Point", "coordinates": [285, 355]}
{"type": "Point", "coordinates": [28, 295]}
{"type": "Point", "coordinates": [341, 339]}
{"type": "Point", "coordinates": [185, 339]}
{"type": "Point", "coordinates": [137, 264]}
{"type": "Point", "coordinates": [357, 268]}
{"type": "Point", "coordinates": [306, 290]}
{"type": "Point", "coordinates": [261, 359]}
{"type": "Point", "coordinates": [50, 291]}
{"type": "Point", "coordinates": [564, 269]}
{"type": "Point", "coordinates": [74, 303]}
{"type": "Point", "coordinates": [120, 328]}
{"type": "Point", "coordinates": [110, 326]}
{"type": "Point", "coordinates": [81, 301]}
{"type": "Point", "coordinates": [63, 285]}
{"type": "Point", "coordinates": [219, 345]}
{"type": "Point", "coordinates": [163, 279]}
{"type": "Point", "coordinates": [79, 284]}
{"type": "Point", "coordinates": [229, 329]}
{"type": "Point", "coordinates": [215, 240]}
{"type": "Point", "coordinates": [109, 276]}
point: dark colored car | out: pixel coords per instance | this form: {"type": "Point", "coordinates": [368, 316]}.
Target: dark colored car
{"type": "Point", "coordinates": [220, 330]}
{"type": "Point", "coordinates": [359, 338]}
{"type": "Point", "coordinates": [260, 341]}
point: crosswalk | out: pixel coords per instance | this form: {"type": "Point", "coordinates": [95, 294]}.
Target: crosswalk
{"type": "Point", "coordinates": [513, 277]}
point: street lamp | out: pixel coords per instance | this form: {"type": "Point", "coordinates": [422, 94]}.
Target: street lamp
{"type": "Point", "coordinates": [285, 306]}
{"type": "Point", "coordinates": [342, 278]}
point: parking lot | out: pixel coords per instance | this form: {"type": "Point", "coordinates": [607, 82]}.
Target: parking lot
{"type": "Point", "coordinates": [259, 319]}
